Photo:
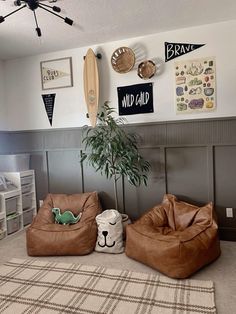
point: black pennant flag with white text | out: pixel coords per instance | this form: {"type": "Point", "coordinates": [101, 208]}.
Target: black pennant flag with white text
{"type": "Point", "coordinates": [49, 100]}
{"type": "Point", "coordinates": [174, 50]}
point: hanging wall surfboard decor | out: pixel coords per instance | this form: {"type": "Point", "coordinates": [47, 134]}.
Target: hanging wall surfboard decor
{"type": "Point", "coordinates": [91, 86]}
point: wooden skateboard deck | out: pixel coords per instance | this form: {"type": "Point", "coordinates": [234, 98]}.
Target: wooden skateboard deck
{"type": "Point", "coordinates": [91, 86]}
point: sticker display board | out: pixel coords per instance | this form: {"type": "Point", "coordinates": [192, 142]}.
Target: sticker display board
{"type": "Point", "coordinates": [195, 88]}
{"type": "Point", "coordinates": [135, 99]}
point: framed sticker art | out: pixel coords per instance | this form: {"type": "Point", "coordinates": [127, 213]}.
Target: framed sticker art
{"type": "Point", "coordinates": [195, 85]}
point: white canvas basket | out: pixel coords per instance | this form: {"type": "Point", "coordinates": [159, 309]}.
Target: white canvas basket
{"type": "Point", "coordinates": [110, 232]}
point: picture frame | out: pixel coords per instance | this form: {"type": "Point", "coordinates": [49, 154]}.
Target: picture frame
{"type": "Point", "coordinates": [56, 73]}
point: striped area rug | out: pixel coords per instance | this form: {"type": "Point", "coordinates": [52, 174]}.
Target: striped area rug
{"type": "Point", "coordinates": [35, 286]}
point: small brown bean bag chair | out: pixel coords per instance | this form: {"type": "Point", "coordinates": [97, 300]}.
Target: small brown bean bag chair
{"type": "Point", "coordinates": [174, 237]}
{"type": "Point", "coordinates": [45, 238]}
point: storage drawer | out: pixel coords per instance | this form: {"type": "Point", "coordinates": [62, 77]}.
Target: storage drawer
{"type": "Point", "coordinates": [13, 224]}
{"type": "Point", "coordinates": [26, 201]}
{"type": "Point", "coordinates": [11, 205]}
{"type": "Point", "coordinates": [28, 216]}
{"type": "Point", "coordinates": [26, 188]}
{"type": "Point", "coordinates": [2, 234]}
{"type": "Point", "coordinates": [26, 180]}
{"type": "Point", "coordinates": [2, 231]}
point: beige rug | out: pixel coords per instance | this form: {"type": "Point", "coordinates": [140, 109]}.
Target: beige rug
{"type": "Point", "coordinates": [34, 286]}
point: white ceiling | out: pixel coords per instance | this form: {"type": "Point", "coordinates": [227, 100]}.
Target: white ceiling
{"type": "Point", "coordinates": [98, 21]}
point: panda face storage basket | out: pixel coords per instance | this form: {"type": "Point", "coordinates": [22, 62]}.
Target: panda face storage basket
{"type": "Point", "coordinates": [110, 232]}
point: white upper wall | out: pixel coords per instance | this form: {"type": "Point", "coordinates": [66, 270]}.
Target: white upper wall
{"type": "Point", "coordinates": [25, 108]}
{"type": "Point", "coordinates": [3, 114]}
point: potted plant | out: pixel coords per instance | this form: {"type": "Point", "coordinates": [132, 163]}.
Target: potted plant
{"type": "Point", "coordinates": [113, 151]}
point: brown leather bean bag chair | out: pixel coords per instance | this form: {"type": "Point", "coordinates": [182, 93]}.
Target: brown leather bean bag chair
{"type": "Point", "coordinates": [174, 237]}
{"type": "Point", "coordinates": [44, 237]}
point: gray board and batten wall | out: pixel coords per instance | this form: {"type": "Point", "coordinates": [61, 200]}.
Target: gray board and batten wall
{"type": "Point", "coordinates": [193, 159]}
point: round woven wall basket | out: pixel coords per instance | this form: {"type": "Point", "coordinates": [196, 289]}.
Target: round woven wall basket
{"type": "Point", "coordinates": [123, 60]}
{"type": "Point", "coordinates": [146, 69]}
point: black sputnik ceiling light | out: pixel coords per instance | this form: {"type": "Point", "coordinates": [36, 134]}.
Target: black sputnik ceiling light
{"type": "Point", "coordinates": [34, 5]}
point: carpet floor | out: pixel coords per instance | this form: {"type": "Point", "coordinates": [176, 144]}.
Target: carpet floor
{"type": "Point", "coordinates": [221, 272]}
{"type": "Point", "coordinates": [36, 286]}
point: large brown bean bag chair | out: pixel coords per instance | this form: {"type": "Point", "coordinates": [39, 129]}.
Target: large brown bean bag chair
{"type": "Point", "coordinates": [174, 237]}
{"type": "Point", "coordinates": [44, 237]}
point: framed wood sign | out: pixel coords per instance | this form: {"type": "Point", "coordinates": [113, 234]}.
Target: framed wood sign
{"type": "Point", "coordinates": [56, 73]}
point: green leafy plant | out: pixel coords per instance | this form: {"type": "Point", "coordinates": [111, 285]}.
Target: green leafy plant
{"type": "Point", "coordinates": [114, 152]}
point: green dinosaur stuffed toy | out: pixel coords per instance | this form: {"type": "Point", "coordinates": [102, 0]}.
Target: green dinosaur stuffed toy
{"type": "Point", "coordinates": [65, 218]}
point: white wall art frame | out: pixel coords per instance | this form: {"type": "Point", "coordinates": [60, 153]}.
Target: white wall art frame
{"type": "Point", "coordinates": [56, 73]}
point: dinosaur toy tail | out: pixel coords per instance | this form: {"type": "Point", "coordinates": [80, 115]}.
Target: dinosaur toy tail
{"type": "Point", "coordinates": [77, 218]}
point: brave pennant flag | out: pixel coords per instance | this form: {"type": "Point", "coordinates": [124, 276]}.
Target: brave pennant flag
{"type": "Point", "coordinates": [174, 50]}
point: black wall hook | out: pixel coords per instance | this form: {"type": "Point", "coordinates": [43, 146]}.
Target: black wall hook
{"type": "Point", "coordinates": [98, 56]}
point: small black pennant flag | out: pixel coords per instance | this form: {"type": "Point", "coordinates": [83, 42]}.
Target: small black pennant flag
{"type": "Point", "coordinates": [174, 50]}
{"type": "Point", "coordinates": [49, 100]}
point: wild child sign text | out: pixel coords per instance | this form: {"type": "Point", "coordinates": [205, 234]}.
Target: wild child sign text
{"type": "Point", "coordinates": [135, 99]}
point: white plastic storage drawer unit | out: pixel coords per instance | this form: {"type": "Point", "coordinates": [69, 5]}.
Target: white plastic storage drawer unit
{"type": "Point", "coordinates": [18, 213]}
{"type": "Point", "coordinates": [13, 224]}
